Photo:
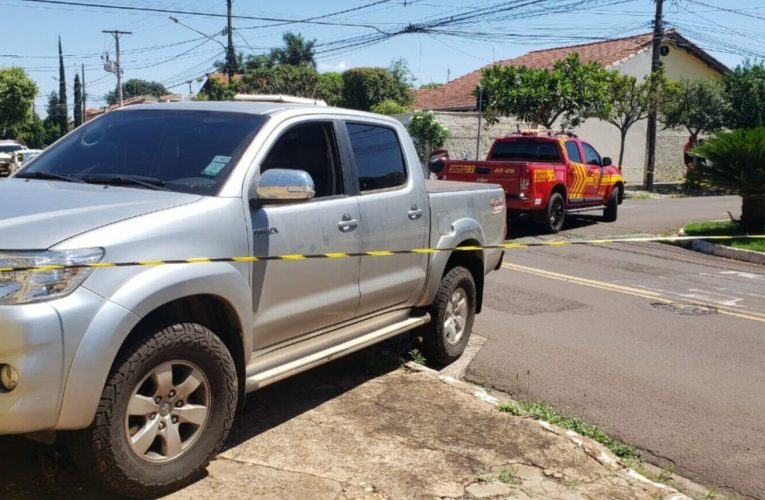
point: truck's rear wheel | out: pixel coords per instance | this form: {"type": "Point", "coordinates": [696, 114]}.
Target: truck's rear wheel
{"type": "Point", "coordinates": [452, 314]}
{"type": "Point", "coordinates": [166, 409]}
{"type": "Point", "coordinates": [555, 215]}
{"type": "Point", "coordinates": [612, 207]}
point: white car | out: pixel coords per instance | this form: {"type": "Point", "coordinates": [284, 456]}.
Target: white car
{"type": "Point", "coordinates": [21, 158]}
{"type": "Point", "coordinates": [7, 150]}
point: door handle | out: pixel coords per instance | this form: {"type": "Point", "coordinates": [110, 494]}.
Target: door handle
{"type": "Point", "coordinates": [415, 213]}
{"type": "Point", "coordinates": [348, 224]}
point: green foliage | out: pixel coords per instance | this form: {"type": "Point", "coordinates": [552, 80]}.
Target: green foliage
{"type": "Point", "coordinates": [417, 357]}
{"type": "Point", "coordinates": [572, 90]}
{"type": "Point", "coordinates": [214, 90]}
{"type": "Point", "coordinates": [629, 102]}
{"type": "Point", "coordinates": [389, 107]}
{"type": "Point", "coordinates": [735, 161]}
{"type": "Point", "coordinates": [297, 51]}
{"type": "Point", "coordinates": [427, 133]}
{"type": "Point", "coordinates": [301, 81]}
{"type": "Point", "coordinates": [63, 113]}
{"type": "Point", "coordinates": [745, 87]}
{"type": "Point", "coordinates": [401, 72]}
{"type": "Point", "coordinates": [17, 94]}
{"type": "Point", "coordinates": [431, 85]}
{"type": "Point", "coordinates": [698, 105]}
{"type": "Point", "coordinates": [510, 476]}
{"type": "Point", "coordinates": [77, 100]}
{"type": "Point", "coordinates": [365, 87]}
{"type": "Point", "coordinates": [330, 88]}
{"type": "Point", "coordinates": [543, 411]}
{"type": "Point", "coordinates": [136, 87]}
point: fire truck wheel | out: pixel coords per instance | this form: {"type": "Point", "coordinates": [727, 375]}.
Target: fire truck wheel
{"type": "Point", "coordinates": [612, 207]}
{"type": "Point", "coordinates": [555, 215]}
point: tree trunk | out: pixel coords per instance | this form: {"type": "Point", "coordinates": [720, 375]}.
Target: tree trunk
{"type": "Point", "coordinates": [753, 213]}
{"type": "Point", "coordinates": [621, 148]}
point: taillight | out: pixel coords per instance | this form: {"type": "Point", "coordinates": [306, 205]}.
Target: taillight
{"type": "Point", "coordinates": [525, 181]}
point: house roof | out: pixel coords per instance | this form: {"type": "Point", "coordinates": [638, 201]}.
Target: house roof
{"type": "Point", "coordinates": [458, 94]}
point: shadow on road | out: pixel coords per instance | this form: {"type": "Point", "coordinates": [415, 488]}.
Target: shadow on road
{"type": "Point", "coordinates": [522, 227]}
{"type": "Point", "coordinates": [32, 470]}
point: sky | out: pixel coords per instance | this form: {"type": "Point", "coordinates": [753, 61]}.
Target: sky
{"type": "Point", "coordinates": [367, 33]}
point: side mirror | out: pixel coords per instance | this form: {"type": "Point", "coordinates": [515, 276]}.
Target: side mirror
{"type": "Point", "coordinates": [437, 166]}
{"type": "Point", "coordinates": [606, 162]}
{"type": "Point", "coordinates": [284, 185]}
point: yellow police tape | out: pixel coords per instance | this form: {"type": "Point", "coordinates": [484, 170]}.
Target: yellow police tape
{"type": "Point", "coordinates": [507, 245]}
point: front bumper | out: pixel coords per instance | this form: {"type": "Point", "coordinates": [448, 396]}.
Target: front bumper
{"type": "Point", "coordinates": [33, 341]}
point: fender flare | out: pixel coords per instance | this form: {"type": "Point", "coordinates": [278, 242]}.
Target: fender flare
{"type": "Point", "coordinates": [145, 292]}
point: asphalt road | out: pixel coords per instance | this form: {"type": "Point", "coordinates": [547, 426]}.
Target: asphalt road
{"type": "Point", "coordinates": [662, 347]}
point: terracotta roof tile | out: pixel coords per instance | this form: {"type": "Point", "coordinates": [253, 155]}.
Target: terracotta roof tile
{"type": "Point", "coordinates": [458, 94]}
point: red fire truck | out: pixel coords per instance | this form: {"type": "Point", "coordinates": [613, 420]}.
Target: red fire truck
{"type": "Point", "coordinates": [544, 175]}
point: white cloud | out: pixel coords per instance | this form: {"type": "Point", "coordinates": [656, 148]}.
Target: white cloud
{"type": "Point", "coordinates": [340, 66]}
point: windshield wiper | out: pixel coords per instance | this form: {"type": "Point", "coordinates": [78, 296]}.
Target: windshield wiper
{"type": "Point", "coordinates": [49, 175]}
{"type": "Point", "coordinates": [119, 179]}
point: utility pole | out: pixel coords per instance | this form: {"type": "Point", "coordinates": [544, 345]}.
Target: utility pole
{"type": "Point", "coordinates": [230, 54]}
{"type": "Point", "coordinates": [658, 37]}
{"type": "Point", "coordinates": [116, 34]}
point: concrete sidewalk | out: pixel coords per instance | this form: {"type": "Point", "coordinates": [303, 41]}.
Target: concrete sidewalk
{"type": "Point", "coordinates": [362, 428]}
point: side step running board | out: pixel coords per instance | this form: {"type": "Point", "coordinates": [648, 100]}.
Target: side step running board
{"type": "Point", "coordinates": [286, 370]}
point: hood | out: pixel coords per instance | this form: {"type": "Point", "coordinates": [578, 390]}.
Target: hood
{"type": "Point", "coordinates": [37, 214]}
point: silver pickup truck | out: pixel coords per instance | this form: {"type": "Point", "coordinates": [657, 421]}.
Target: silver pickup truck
{"type": "Point", "coordinates": [147, 363]}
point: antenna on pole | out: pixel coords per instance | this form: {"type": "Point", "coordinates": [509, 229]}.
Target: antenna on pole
{"type": "Point", "coordinates": [114, 66]}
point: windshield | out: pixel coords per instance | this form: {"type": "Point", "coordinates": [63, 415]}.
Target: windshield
{"type": "Point", "coordinates": [529, 150]}
{"type": "Point", "coordinates": [9, 148]}
{"type": "Point", "coordinates": [181, 150]}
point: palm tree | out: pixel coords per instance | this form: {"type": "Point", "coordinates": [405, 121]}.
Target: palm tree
{"type": "Point", "coordinates": [297, 50]}
{"type": "Point", "coordinates": [735, 161]}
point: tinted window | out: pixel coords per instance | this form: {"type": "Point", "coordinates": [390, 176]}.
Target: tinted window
{"type": "Point", "coordinates": [188, 151]}
{"type": "Point", "coordinates": [591, 157]}
{"type": "Point", "coordinates": [573, 152]}
{"type": "Point", "coordinates": [526, 150]}
{"type": "Point", "coordinates": [379, 160]}
{"type": "Point", "coordinates": [9, 148]}
{"type": "Point", "coordinates": [310, 147]}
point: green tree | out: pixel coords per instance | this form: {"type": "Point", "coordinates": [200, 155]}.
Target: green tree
{"type": "Point", "coordinates": [33, 132]}
{"type": "Point", "coordinates": [735, 161]}
{"type": "Point", "coordinates": [630, 101]}
{"type": "Point", "coordinates": [136, 87]}
{"type": "Point", "coordinates": [301, 81]}
{"type": "Point", "coordinates": [365, 87]}
{"type": "Point", "coordinates": [77, 100]}
{"type": "Point", "coordinates": [17, 94]}
{"type": "Point", "coordinates": [214, 90]}
{"type": "Point", "coordinates": [745, 89]}
{"type": "Point", "coordinates": [52, 121]}
{"type": "Point", "coordinates": [389, 107]}
{"type": "Point", "coordinates": [330, 88]}
{"type": "Point", "coordinates": [431, 85]}
{"type": "Point", "coordinates": [63, 114]}
{"type": "Point", "coordinates": [571, 91]}
{"type": "Point", "coordinates": [699, 105]}
{"type": "Point", "coordinates": [297, 51]}
{"type": "Point", "coordinates": [427, 133]}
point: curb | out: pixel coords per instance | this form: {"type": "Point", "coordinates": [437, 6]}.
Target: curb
{"type": "Point", "coordinates": [708, 248]}
{"type": "Point", "coordinates": [592, 448]}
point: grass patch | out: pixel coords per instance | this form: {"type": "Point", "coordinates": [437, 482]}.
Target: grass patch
{"type": "Point", "coordinates": [724, 228]}
{"type": "Point", "coordinates": [509, 476]}
{"type": "Point", "coordinates": [418, 357]}
{"type": "Point", "coordinates": [543, 411]}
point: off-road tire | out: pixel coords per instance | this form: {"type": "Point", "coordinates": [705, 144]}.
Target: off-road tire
{"type": "Point", "coordinates": [612, 207]}
{"type": "Point", "coordinates": [436, 347]}
{"type": "Point", "coordinates": [102, 451]}
{"type": "Point", "coordinates": [555, 213]}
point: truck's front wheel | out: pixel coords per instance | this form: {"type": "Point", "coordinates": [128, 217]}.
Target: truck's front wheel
{"type": "Point", "coordinates": [166, 408]}
{"type": "Point", "coordinates": [452, 314]}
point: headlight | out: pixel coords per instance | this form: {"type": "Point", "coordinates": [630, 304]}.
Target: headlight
{"type": "Point", "coordinates": [21, 287]}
